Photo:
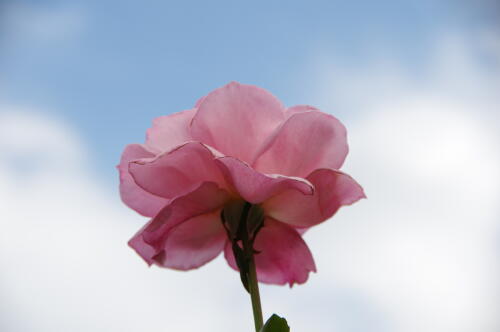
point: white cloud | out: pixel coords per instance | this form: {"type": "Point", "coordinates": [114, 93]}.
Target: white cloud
{"type": "Point", "coordinates": [423, 249]}
{"type": "Point", "coordinates": [63, 254]}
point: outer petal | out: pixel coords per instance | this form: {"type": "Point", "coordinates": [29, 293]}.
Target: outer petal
{"type": "Point", "coordinates": [142, 248]}
{"type": "Point", "coordinates": [236, 119]}
{"type": "Point", "coordinates": [256, 187]}
{"type": "Point", "coordinates": [169, 131]}
{"type": "Point", "coordinates": [305, 142]}
{"type": "Point", "coordinates": [151, 242]}
{"type": "Point", "coordinates": [194, 242]}
{"type": "Point", "coordinates": [332, 190]}
{"type": "Point", "coordinates": [134, 196]}
{"type": "Point", "coordinates": [198, 102]}
{"type": "Point", "coordinates": [299, 109]}
{"type": "Point", "coordinates": [283, 255]}
{"type": "Point", "coordinates": [176, 172]}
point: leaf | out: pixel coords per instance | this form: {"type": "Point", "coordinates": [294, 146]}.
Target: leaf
{"type": "Point", "coordinates": [275, 324]}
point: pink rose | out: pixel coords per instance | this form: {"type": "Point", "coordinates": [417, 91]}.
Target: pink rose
{"type": "Point", "coordinates": [238, 144]}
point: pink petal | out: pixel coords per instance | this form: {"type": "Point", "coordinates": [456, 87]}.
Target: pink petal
{"type": "Point", "coordinates": [176, 172]}
{"type": "Point", "coordinates": [236, 119]}
{"type": "Point", "coordinates": [199, 101]}
{"type": "Point", "coordinates": [143, 249]}
{"type": "Point", "coordinates": [299, 109]}
{"type": "Point", "coordinates": [152, 240]}
{"type": "Point", "coordinates": [256, 187]}
{"type": "Point", "coordinates": [332, 189]}
{"type": "Point", "coordinates": [169, 131]}
{"type": "Point", "coordinates": [283, 255]}
{"type": "Point", "coordinates": [194, 242]}
{"type": "Point", "coordinates": [134, 196]}
{"type": "Point", "coordinates": [305, 142]}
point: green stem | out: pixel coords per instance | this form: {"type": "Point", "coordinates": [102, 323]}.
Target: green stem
{"type": "Point", "coordinates": [253, 284]}
{"type": "Point", "coordinates": [253, 287]}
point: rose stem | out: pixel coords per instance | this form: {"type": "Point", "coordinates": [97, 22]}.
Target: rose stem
{"type": "Point", "coordinates": [253, 284]}
{"type": "Point", "coordinates": [253, 287]}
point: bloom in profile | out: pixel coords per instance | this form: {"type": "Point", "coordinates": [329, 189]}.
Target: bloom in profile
{"type": "Point", "coordinates": [238, 146]}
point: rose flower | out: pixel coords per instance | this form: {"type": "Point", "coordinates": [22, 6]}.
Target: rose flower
{"type": "Point", "coordinates": [239, 149]}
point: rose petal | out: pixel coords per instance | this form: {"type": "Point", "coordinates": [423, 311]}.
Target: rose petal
{"type": "Point", "coordinates": [299, 109]}
{"type": "Point", "coordinates": [194, 242]}
{"type": "Point", "coordinates": [169, 131]}
{"type": "Point", "coordinates": [134, 196]}
{"type": "Point", "coordinates": [305, 142]}
{"type": "Point", "coordinates": [199, 101]}
{"type": "Point", "coordinates": [332, 189]}
{"type": "Point", "coordinates": [150, 242]}
{"type": "Point", "coordinates": [143, 249]}
{"type": "Point", "coordinates": [236, 119]}
{"type": "Point", "coordinates": [176, 172]}
{"type": "Point", "coordinates": [283, 255]}
{"type": "Point", "coordinates": [256, 187]}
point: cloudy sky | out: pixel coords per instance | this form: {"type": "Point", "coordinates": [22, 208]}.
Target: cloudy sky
{"type": "Point", "coordinates": [415, 82]}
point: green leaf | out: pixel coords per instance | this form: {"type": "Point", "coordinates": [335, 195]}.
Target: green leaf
{"type": "Point", "coordinates": [275, 324]}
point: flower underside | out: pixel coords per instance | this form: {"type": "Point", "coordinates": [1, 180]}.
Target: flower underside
{"type": "Point", "coordinates": [239, 173]}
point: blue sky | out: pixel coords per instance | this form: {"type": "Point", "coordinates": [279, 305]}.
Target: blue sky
{"type": "Point", "coordinates": [415, 82]}
{"type": "Point", "coordinates": [110, 67]}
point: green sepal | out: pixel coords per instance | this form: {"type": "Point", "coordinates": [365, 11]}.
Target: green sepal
{"type": "Point", "coordinates": [242, 221]}
{"type": "Point", "coordinates": [255, 220]}
{"type": "Point", "coordinates": [231, 217]}
{"type": "Point", "coordinates": [275, 324]}
{"type": "Point", "coordinates": [242, 263]}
